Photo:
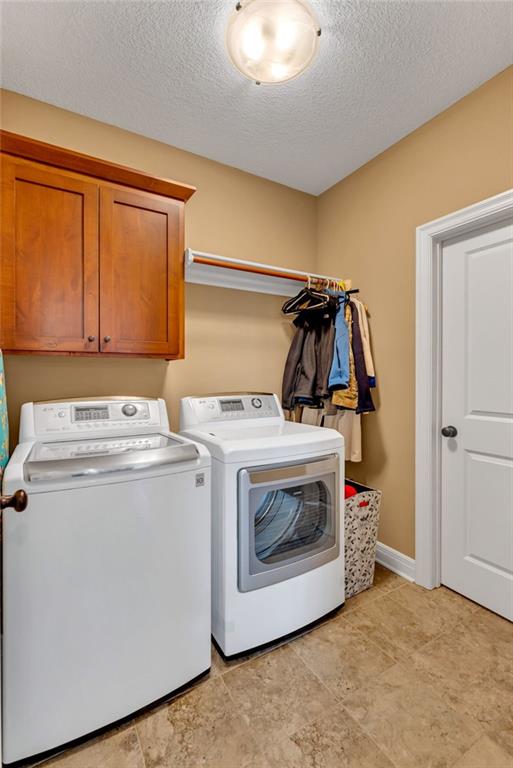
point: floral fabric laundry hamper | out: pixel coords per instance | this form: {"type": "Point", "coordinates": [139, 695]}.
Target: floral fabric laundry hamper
{"type": "Point", "coordinates": [361, 535]}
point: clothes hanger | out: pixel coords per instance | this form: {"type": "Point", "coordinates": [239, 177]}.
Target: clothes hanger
{"type": "Point", "coordinates": [307, 298]}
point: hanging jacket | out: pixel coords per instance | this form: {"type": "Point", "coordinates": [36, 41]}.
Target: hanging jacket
{"type": "Point", "coordinates": [348, 398]}
{"type": "Point", "coordinates": [349, 424]}
{"type": "Point", "coordinates": [339, 373]}
{"type": "Point", "coordinates": [325, 341]}
{"type": "Point", "coordinates": [365, 404]}
{"type": "Point", "coordinates": [303, 382]}
{"type": "Point", "coordinates": [364, 329]}
{"type": "Point", "coordinates": [305, 378]}
{"type": "Point", "coordinates": [292, 368]}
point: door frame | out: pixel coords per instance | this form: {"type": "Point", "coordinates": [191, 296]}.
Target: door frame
{"type": "Point", "coordinates": [428, 381]}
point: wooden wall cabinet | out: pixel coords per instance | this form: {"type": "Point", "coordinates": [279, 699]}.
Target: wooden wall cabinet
{"type": "Point", "coordinates": [88, 265]}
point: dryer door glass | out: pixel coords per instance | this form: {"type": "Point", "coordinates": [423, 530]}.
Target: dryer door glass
{"type": "Point", "coordinates": [292, 521]}
{"type": "Point", "coordinates": [289, 521]}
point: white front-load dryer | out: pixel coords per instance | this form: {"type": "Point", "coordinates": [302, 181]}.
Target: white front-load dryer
{"type": "Point", "coordinates": [277, 518]}
{"type": "Point", "coordinates": [106, 573]}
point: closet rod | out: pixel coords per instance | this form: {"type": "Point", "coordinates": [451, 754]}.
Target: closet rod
{"type": "Point", "coordinates": [256, 269]}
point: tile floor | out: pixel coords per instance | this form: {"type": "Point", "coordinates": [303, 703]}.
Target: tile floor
{"type": "Point", "coordinates": [400, 678]}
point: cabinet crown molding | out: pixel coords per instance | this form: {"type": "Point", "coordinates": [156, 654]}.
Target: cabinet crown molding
{"type": "Point", "coordinates": [69, 160]}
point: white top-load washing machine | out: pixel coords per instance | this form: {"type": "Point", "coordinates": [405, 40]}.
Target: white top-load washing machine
{"type": "Point", "coordinates": [106, 574]}
{"type": "Point", "coordinates": [277, 517]}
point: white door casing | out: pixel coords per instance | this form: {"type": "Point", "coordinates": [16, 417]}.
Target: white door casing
{"type": "Point", "coordinates": [428, 441]}
{"type": "Point", "coordinates": [477, 400]}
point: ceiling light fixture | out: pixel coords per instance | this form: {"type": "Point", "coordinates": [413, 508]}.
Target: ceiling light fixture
{"type": "Point", "coordinates": [272, 41]}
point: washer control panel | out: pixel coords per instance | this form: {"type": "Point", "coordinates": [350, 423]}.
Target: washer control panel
{"type": "Point", "coordinates": [198, 410]}
{"type": "Point", "coordinates": [88, 416]}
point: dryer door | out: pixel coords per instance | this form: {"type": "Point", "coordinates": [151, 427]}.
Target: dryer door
{"type": "Point", "coordinates": [289, 520]}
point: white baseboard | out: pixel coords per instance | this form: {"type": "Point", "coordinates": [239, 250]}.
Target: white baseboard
{"type": "Point", "coordinates": [395, 561]}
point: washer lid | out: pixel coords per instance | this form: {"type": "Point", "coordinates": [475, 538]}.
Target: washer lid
{"type": "Point", "coordinates": [61, 460]}
{"type": "Point", "coordinates": [246, 441]}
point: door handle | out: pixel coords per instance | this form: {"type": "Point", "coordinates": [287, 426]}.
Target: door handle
{"type": "Point", "coordinates": [449, 431]}
{"type": "Point", "coordinates": [18, 501]}
{"type": "Point", "coordinates": [106, 339]}
{"type": "Point", "coordinates": [301, 472]}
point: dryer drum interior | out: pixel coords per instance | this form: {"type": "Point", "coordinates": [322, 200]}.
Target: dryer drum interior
{"type": "Point", "coordinates": [290, 519]}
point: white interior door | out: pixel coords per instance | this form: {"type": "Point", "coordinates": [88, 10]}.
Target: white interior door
{"type": "Point", "coordinates": [477, 400]}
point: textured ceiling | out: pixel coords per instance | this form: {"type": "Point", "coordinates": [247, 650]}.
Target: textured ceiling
{"type": "Point", "coordinates": [160, 69]}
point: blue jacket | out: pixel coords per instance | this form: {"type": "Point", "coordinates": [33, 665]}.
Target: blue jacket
{"type": "Point", "coordinates": [339, 374]}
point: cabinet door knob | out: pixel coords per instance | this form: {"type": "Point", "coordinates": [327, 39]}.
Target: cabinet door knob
{"type": "Point", "coordinates": [106, 339]}
{"type": "Point", "coordinates": [449, 431]}
{"type": "Point", "coordinates": [17, 501]}
{"type": "Point", "coordinates": [91, 338]}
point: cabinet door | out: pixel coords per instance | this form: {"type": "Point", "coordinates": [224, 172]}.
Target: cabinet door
{"type": "Point", "coordinates": [49, 264]}
{"type": "Point", "coordinates": [141, 273]}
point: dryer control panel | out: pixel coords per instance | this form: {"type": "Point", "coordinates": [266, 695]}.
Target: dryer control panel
{"type": "Point", "coordinates": [201, 410]}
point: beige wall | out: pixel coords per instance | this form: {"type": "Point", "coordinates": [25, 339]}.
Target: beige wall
{"type": "Point", "coordinates": [234, 339]}
{"type": "Point", "coordinates": [366, 229]}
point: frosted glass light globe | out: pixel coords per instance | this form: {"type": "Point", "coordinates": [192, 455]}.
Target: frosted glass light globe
{"type": "Point", "coordinates": [271, 41]}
